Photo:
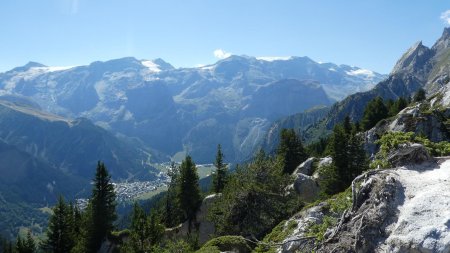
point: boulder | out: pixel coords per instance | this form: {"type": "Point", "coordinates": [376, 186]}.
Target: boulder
{"type": "Point", "coordinates": [306, 187]}
{"type": "Point", "coordinates": [376, 197]}
{"type": "Point", "coordinates": [206, 228]}
{"type": "Point", "coordinates": [317, 175]}
{"type": "Point", "coordinates": [202, 226]}
{"type": "Point", "coordinates": [305, 167]}
{"type": "Point", "coordinates": [297, 240]}
{"type": "Point", "coordinates": [409, 154]}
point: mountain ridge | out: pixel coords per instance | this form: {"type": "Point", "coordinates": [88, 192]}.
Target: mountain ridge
{"type": "Point", "coordinates": [419, 67]}
{"type": "Point", "coordinates": [165, 106]}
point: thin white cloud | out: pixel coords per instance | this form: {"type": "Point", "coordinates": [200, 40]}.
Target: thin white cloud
{"type": "Point", "coordinates": [445, 16]}
{"type": "Point", "coordinates": [221, 54]}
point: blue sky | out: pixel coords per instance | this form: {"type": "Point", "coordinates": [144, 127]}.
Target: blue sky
{"type": "Point", "coordinates": [368, 34]}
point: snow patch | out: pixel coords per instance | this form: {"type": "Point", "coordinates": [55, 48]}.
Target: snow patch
{"type": "Point", "coordinates": [151, 66]}
{"type": "Point", "coordinates": [207, 67]}
{"type": "Point", "coordinates": [274, 58]}
{"type": "Point", "coordinates": [53, 68]}
{"type": "Point", "coordinates": [361, 72]}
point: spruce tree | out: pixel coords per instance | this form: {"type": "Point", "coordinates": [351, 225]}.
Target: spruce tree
{"type": "Point", "coordinates": [420, 95]}
{"type": "Point", "coordinates": [374, 112]}
{"type": "Point", "coordinates": [347, 125]}
{"type": "Point", "coordinates": [25, 245]}
{"type": "Point", "coordinates": [220, 176]}
{"type": "Point", "coordinates": [340, 155]}
{"type": "Point", "coordinates": [397, 106]}
{"type": "Point", "coordinates": [290, 150]}
{"type": "Point", "coordinates": [358, 158]}
{"type": "Point", "coordinates": [188, 190]}
{"type": "Point", "coordinates": [102, 208]}
{"type": "Point", "coordinates": [20, 245]}
{"type": "Point", "coordinates": [155, 229]}
{"type": "Point", "coordinates": [29, 243]}
{"type": "Point", "coordinates": [60, 237]}
{"type": "Point", "coordinates": [172, 213]}
{"type": "Point", "coordinates": [138, 229]}
{"type": "Point", "coordinates": [349, 157]}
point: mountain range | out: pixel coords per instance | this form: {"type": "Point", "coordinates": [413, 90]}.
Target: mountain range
{"type": "Point", "coordinates": [232, 102]}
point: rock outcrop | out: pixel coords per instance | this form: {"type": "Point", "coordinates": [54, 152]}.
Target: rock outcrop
{"type": "Point", "coordinates": [305, 184]}
{"type": "Point", "coordinates": [306, 167]}
{"type": "Point", "coordinates": [318, 175]}
{"type": "Point", "coordinates": [374, 207]}
{"type": "Point", "coordinates": [409, 154]}
{"type": "Point", "coordinates": [202, 226]}
{"type": "Point", "coordinates": [424, 119]}
{"type": "Point", "coordinates": [306, 187]}
{"type": "Point", "coordinates": [397, 210]}
{"type": "Point", "coordinates": [297, 240]}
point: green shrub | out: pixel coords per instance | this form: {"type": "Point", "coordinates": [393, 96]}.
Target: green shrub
{"type": "Point", "coordinates": [392, 140]}
{"type": "Point", "coordinates": [277, 235]}
{"type": "Point", "coordinates": [318, 230]}
{"type": "Point", "coordinates": [340, 202]}
{"type": "Point", "coordinates": [226, 243]}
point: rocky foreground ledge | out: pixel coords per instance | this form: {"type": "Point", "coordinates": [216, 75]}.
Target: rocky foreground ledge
{"type": "Point", "coordinates": [404, 209]}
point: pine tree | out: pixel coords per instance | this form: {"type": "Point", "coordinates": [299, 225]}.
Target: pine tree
{"type": "Point", "coordinates": [155, 229]}
{"type": "Point", "coordinates": [349, 158]}
{"type": "Point", "coordinates": [340, 155]}
{"type": "Point", "coordinates": [29, 243]}
{"type": "Point", "coordinates": [146, 230]}
{"type": "Point", "coordinates": [358, 157]}
{"type": "Point", "coordinates": [220, 176]}
{"type": "Point", "coordinates": [60, 237]}
{"type": "Point", "coordinates": [397, 106]}
{"type": "Point", "coordinates": [25, 245]}
{"type": "Point", "coordinates": [420, 95]}
{"type": "Point", "coordinates": [76, 219]}
{"type": "Point", "coordinates": [290, 150]}
{"type": "Point", "coordinates": [374, 112]}
{"type": "Point", "coordinates": [347, 125]}
{"type": "Point", "coordinates": [102, 209]}
{"type": "Point", "coordinates": [188, 190]}
{"type": "Point", "coordinates": [20, 245]}
{"type": "Point", "coordinates": [138, 228]}
{"type": "Point", "coordinates": [172, 213]}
